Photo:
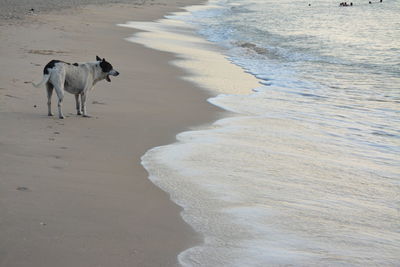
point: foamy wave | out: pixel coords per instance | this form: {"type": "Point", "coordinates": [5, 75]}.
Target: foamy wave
{"type": "Point", "coordinates": [299, 176]}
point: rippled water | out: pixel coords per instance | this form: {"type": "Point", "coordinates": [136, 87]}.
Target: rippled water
{"type": "Point", "coordinates": [307, 171]}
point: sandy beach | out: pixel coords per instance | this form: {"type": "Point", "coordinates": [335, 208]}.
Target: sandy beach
{"type": "Point", "coordinates": [73, 191]}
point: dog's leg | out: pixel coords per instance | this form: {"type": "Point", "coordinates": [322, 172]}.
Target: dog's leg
{"type": "Point", "coordinates": [83, 100]}
{"type": "Point", "coordinates": [60, 95]}
{"type": "Point", "coordinates": [49, 88]}
{"type": "Point", "coordinates": [57, 80]}
{"type": "Point", "coordinates": [78, 105]}
{"type": "Point", "coordinates": [58, 83]}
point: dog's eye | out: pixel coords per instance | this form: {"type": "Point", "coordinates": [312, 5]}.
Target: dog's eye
{"type": "Point", "coordinates": [106, 67]}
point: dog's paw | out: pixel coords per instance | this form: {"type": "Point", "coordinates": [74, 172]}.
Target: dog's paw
{"type": "Point", "coordinates": [50, 114]}
{"type": "Point", "coordinates": [61, 117]}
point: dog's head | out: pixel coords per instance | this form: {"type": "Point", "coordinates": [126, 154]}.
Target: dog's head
{"type": "Point", "coordinates": [106, 68]}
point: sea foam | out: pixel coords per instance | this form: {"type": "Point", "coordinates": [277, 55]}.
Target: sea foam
{"type": "Point", "coordinates": [296, 175]}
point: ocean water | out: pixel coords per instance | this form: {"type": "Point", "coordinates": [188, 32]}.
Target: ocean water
{"type": "Point", "coordinates": [305, 169]}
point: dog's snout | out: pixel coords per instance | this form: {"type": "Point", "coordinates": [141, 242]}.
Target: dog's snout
{"type": "Point", "coordinates": [113, 73]}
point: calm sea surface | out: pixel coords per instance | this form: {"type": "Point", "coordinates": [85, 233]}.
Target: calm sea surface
{"type": "Point", "coordinates": [307, 171]}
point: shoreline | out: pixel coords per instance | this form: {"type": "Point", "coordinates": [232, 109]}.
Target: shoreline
{"type": "Point", "coordinates": [171, 167]}
{"type": "Point", "coordinates": [239, 178]}
{"type": "Point", "coordinates": [73, 191]}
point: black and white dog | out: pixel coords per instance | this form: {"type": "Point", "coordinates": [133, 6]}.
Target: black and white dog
{"type": "Point", "coordinates": [76, 78]}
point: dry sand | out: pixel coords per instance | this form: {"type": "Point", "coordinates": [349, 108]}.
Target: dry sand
{"type": "Point", "coordinates": [18, 9]}
{"type": "Point", "coordinates": [72, 191]}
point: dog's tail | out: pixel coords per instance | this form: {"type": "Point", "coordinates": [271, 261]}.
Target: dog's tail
{"type": "Point", "coordinates": [46, 78]}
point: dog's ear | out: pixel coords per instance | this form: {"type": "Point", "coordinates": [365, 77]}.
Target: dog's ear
{"type": "Point", "coordinates": [104, 59]}
{"type": "Point", "coordinates": [97, 58]}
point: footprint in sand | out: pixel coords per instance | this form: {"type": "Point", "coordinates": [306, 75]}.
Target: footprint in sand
{"type": "Point", "coordinates": [45, 52]}
{"type": "Point", "coordinates": [57, 167]}
{"type": "Point", "coordinates": [12, 96]}
{"type": "Point", "coordinates": [98, 103]}
{"type": "Point", "coordinates": [23, 188]}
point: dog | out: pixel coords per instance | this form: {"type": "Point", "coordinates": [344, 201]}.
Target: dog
{"type": "Point", "coordinates": [77, 79]}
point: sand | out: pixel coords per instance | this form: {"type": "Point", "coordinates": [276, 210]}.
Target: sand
{"type": "Point", "coordinates": [18, 9]}
{"type": "Point", "coordinates": [73, 191]}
